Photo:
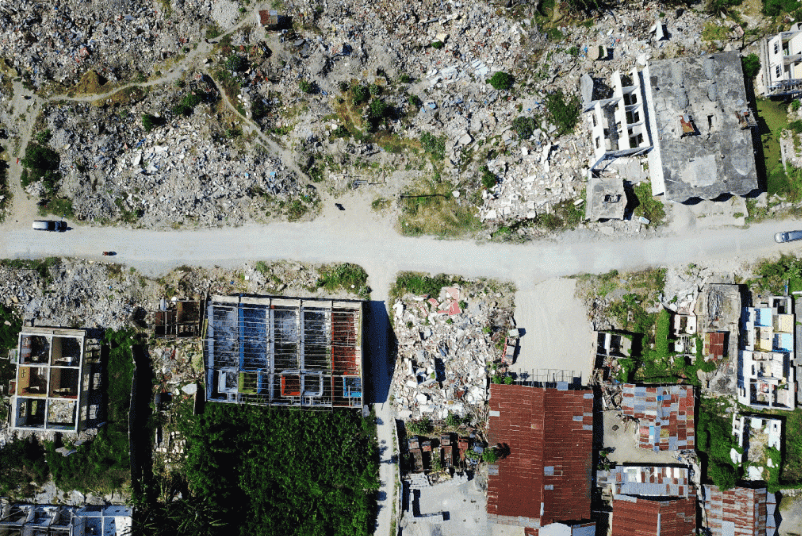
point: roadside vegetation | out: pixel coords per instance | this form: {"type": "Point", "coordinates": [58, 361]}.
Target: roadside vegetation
{"type": "Point", "coordinates": [348, 277]}
{"type": "Point", "coordinates": [429, 207]}
{"type": "Point", "coordinates": [647, 205]}
{"type": "Point", "coordinates": [773, 275]}
{"type": "Point", "coordinates": [252, 470]}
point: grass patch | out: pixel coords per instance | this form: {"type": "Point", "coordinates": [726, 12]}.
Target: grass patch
{"type": "Point", "coordinates": [420, 283]}
{"type": "Point", "coordinates": [648, 206]}
{"type": "Point", "coordinates": [103, 465]}
{"type": "Point", "coordinates": [772, 275]}
{"type": "Point", "coordinates": [317, 471]}
{"type": "Point", "coordinates": [380, 204]}
{"type": "Point", "coordinates": [714, 440]}
{"type": "Point", "coordinates": [773, 119]}
{"type": "Point", "coordinates": [714, 32]}
{"type": "Point", "coordinates": [429, 208]}
{"type": "Point", "coordinates": [349, 277]}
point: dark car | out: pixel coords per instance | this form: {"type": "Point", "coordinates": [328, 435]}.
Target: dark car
{"type": "Point", "coordinates": [790, 236]}
{"type": "Point", "coordinates": [49, 225]}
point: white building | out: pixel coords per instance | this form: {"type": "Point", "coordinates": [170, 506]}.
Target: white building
{"type": "Point", "coordinates": [60, 520]}
{"type": "Point", "coordinates": [765, 364]}
{"type": "Point", "coordinates": [781, 63]}
{"type": "Point", "coordinates": [618, 124]}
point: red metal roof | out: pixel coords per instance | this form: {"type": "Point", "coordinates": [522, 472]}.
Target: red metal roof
{"type": "Point", "coordinates": [714, 344]}
{"type": "Point", "coordinates": [546, 476]}
{"type": "Point", "coordinates": [745, 508]}
{"type": "Point", "coordinates": [634, 516]}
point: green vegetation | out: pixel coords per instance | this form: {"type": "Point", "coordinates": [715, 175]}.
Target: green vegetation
{"type": "Point", "coordinates": [714, 32]}
{"type": "Point", "coordinates": [751, 65]}
{"type": "Point", "coordinates": [714, 440]}
{"type": "Point", "coordinates": [359, 95]}
{"type": "Point", "coordinates": [421, 427]}
{"type": "Point", "coordinates": [563, 114]}
{"type": "Point", "coordinates": [428, 207]}
{"type": "Point", "coordinates": [149, 122]}
{"type": "Point", "coordinates": [186, 106]}
{"type": "Point", "coordinates": [378, 109]}
{"type": "Point", "coordinates": [40, 266]}
{"type": "Point", "coordinates": [420, 284]}
{"type": "Point", "coordinates": [779, 181]}
{"type": "Point", "coordinates": [213, 31]}
{"type": "Point", "coordinates": [791, 468]}
{"type": "Point", "coordinates": [41, 163]}
{"type": "Point", "coordinates": [434, 145]}
{"type": "Point", "coordinates": [44, 136]}
{"type": "Point", "coordinates": [306, 86]}
{"type": "Point", "coordinates": [437, 45]}
{"type": "Point", "coordinates": [501, 81]}
{"type": "Point", "coordinates": [488, 178]}
{"type": "Point", "coordinates": [489, 456]}
{"type": "Point", "coordinates": [22, 463]}
{"type": "Point", "coordinates": [773, 8]}
{"type": "Point", "coordinates": [380, 204]}
{"type": "Point", "coordinates": [405, 79]}
{"type": "Point", "coordinates": [648, 207]}
{"type": "Point", "coordinates": [414, 101]}
{"type": "Point", "coordinates": [235, 62]}
{"type": "Point", "coordinates": [524, 127]}
{"type": "Point", "coordinates": [347, 276]}
{"type": "Point", "coordinates": [772, 275]}
{"type": "Point", "coordinates": [375, 90]}
{"type": "Point", "coordinates": [279, 472]}
{"type": "Point", "coordinates": [573, 51]}
{"type": "Point", "coordinates": [103, 465]}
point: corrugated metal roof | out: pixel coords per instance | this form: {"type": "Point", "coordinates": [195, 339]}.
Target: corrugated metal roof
{"type": "Point", "coordinates": [665, 414]}
{"type": "Point", "coordinates": [540, 428]}
{"type": "Point", "coordinates": [745, 508]}
{"type": "Point", "coordinates": [633, 516]}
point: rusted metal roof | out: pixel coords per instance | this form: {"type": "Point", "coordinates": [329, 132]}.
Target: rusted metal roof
{"type": "Point", "coordinates": [546, 476]}
{"type": "Point", "coordinates": [740, 511]}
{"type": "Point", "coordinates": [714, 344]}
{"type": "Point", "coordinates": [665, 414]}
{"type": "Point", "coordinates": [633, 516]}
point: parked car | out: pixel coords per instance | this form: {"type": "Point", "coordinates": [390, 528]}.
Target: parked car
{"type": "Point", "coordinates": [790, 236]}
{"type": "Point", "coordinates": [49, 225]}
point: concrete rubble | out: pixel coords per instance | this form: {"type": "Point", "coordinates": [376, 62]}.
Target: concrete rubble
{"type": "Point", "coordinates": [444, 353]}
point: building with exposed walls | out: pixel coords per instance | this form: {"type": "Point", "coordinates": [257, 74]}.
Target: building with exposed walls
{"type": "Point", "coordinates": [62, 520]}
{"type": "Point", "coordinates": [50, 389]}
{"type": "Point", "coordinates": [781, 63]}
{"type": "Point", "coordinates": [284, 352]}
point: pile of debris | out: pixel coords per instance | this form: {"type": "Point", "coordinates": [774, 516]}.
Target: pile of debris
{"type": "Point", "coordinates": [444, 352]}
{"type": "Point", "coordinates": [182, 173]}
{"type": "Point", "coordinates": [59, 42]}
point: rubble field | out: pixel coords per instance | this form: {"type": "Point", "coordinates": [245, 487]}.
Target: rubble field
{"type": "Point", "coordinates": [448, 345]}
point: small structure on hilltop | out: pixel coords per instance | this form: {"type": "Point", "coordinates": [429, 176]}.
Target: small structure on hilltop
{"type": "Point", "coordinates": [665, 414]}
{"type": "Point", "coordinates": [48, 393]}
{"type": "Point", "coordinates": [741, 511]}
{"type": "Point", "coordinates": [284, 352]}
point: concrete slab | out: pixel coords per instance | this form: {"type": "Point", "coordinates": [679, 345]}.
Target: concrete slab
{"type": "Point", "coordinates": [449, 509]}
{"type": "Point", "coordinates": [557, 334]}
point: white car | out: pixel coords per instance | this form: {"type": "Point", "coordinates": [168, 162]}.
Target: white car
{"type": "Point", "coordinates": [49, 225]}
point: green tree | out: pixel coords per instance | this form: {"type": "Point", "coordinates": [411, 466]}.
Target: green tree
{"type": "Point", "coordinates": [564, 114]}
{"type": "Point", "coordinates": [235, 62]}
{"type": "Point", "coordinates": [149, 122]}
{"type": "Point", "coordinates": [378, 109]}
{"type": "Point", "coordinates": [359, 94]}
{"type": "Point", "coordinates": [524, 127]}
{"type": "Point", "coordinates": [751, 65]}
{"type": "Point", "coordinates": [501, 80]}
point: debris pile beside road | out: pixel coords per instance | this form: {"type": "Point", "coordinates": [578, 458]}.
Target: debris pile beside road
{"type": "Point", "coordinates": [445, 345]}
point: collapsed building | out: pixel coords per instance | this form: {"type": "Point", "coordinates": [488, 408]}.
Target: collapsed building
{"type": "Point", "coordinates": [284, 352]}
{"type": "Point", "coordinates": [62, 520]}
{"type": "Point", "coordinates": [50, 389]}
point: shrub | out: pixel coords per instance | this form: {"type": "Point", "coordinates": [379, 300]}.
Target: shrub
{"type": "Point", "coordinates": [378, 109]}
{"type": "Point", "coordinates": [778, 7]}
{"type": "Point", "coordinates": [44, 136]}
{"type": "Point", "coordinates": [360, 95]}
{"type": "Point", "coordinates": [343, 86]}
{"type": "Point", "coordinates": [489, 456]}
{"type": "Point", "coordinates": [453, 421]}
{"type": "Point", "coordinates": [524, 127]}
{"type": "Point", "coordinates": [305, 86]}
{"type": "Point", "coordinates": [434, 145]}
{"type": "Point", "coordinates": [22, 461]}
{"type": "Point", "coordinates": [404, 79]}
{"type": "Point", "coordinates": [501, 80]}
{"type": "Point", "coordinates": [235, 62]}
{"type": "Point", "coordinates": [375, 90]}
{"type": "Point", "coordinates": [508, 380]}
{"type": "Point", "coordinates": [795, 105]}
{"type": "Point", "coordinates": [346, 276]}
{"type": "Point", "coordinates": [488, 178]}
{"type": "Point", "coordinates": [437, 45]}
{"type": "Point", "coordinates": [573, 51]}
{"type": "Point", "coordinates": [414, 101]}
{"type": "Point", "coordinates": [751, 65]}
{"type": "Point", "coordinates": [149, 122]}
{"type": "Point", "coordinates": [421, 427]}
{"type": "Point", "coordinates": [796, 126]}
{"type": "Point", "coordinates": [564, 115]}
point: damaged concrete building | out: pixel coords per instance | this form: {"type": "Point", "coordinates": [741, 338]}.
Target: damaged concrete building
{"type": "Point", "coordinates": [62, 520]}
{"type": "Point", "coordinates": [606, 198]}
{"type": "Point", "coordinates": [49, 392]}
{"type": "Point", "coordinates": [702, 128]}
{"type": "Point", "coordinates": [284, 352]}
{"type": "Point", "coordinates": [781, 63]}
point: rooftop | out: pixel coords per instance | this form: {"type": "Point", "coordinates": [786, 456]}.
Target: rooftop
{"type": "Point", "coordinates": [546, 476]}
{"type": "Point", "coordinates": [699, 119]}
{"type": "Point", "coordinates": [606, 198]}
{"type": "Point", "coordinates": [634, 516]}
{"type": "Point", "coordinates": [284, 351]}
{"type": "Point", "coordinates": [740, 511]}
{"type": "Point", "coordinates": [666, 415]}
{"type": "Point", "coordinates": [647, 480]}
